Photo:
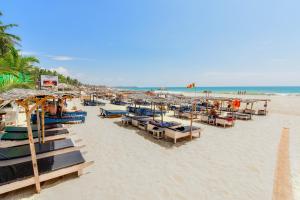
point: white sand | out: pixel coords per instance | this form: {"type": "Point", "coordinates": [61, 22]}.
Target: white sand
{"type": "Point", "coordinates": [236, 163]}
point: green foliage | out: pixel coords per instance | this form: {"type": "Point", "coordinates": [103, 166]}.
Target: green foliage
{"type": "Point", "coordinates": [7, 40]}
{"type": "Point", "coordinates": [16, 85]}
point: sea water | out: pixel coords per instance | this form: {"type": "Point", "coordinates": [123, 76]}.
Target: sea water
{"type": "Point", "coordinates": [272, 90]}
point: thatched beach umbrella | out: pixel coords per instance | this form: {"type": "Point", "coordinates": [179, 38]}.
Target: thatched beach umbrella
{"type": "Point", "coordinates": [30, 100]}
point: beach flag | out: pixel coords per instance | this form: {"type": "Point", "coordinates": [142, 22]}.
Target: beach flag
{"type": "Point", "coordinates": [192, 85]}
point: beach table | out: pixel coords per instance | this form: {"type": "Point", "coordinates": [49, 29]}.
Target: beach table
{"type": "Point", "coordinates": [158, 133]}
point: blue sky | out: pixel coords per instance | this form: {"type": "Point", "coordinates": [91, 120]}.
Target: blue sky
{"type": "Point", "coordinates": [163, 42]}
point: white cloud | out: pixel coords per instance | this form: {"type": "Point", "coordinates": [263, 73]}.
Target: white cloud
{"type": "Point", "coordinates": [54, 57]}
{"type": "Point", "coordinates": [61, 58]}
{"type": "Point", "coordinates": [61, 70]}
{"type": "Point", "coordinates": [28, 53]}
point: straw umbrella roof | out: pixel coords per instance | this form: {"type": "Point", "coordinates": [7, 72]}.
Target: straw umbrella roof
{"type": "Point", "coordinates": [19, 94]}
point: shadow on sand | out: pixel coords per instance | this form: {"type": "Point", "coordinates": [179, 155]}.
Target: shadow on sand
{"type": "Point", "coordinates": [29, 192]}
{"type": "Point", "coordinates": [164, 142]}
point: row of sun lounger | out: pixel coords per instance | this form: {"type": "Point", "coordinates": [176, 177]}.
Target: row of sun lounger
{"type": "Point", "coordinates": [219, 120]}
{"type": "Point", "coordinates": [56, 157]}
{"type": "Point", "coordinates": [144, 111]}
{"type": "Point", "coordinates": [93, 103]}
{"type": "Point", "coordinates": [160, 129]}
{"type": "Point", "coordinates": [186, 114]}
{"type": "Point", "coordinates": [67, 117]}
{"type": "Point", "coordinates": [112, 113]}
{"type": "Point", "coordinates": [118, 102]}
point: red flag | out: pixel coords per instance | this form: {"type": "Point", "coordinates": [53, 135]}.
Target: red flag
{"type": "Point", "coordinates": [192, 85]}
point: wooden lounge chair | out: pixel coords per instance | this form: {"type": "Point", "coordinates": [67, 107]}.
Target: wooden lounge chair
{"type": "Point", "coordinates": [155, 123]}
{"type": "Point", "coordinates": [63, 119]}
{"type": "Point", "coordinates": [249, 111]}
{"type": "Point", "coordinates": [33, 127]}
{"type": "Point", "coordinates": [189, 116]}
{"type": "Point", "coordinates": [181, 132]}
{"type": "Point", "coordinates": [11, 139]}
{"type": "Point", "coordinates": [24, 136]}
{"type": "Point", "coordinates": [20, 175]}
{"type": "Point", "coordinates": [241, 116]}
{"type": "Point", "coordinates": [225, 121]}
{"type": "Point", "coordinates": [112, 113]}
{"type": "Point", "coordinates": [12, 153]}
{"type": "Point", "coordinates": [204, 118]}
{"type": "Point", "coordinates": [157, 128]}
{"type": "Point", "coordinates": [135, 119]}
{"type": "Point", "coordinates": [261, 112]}
{"type": "Point", "coordinates": [142, 123]}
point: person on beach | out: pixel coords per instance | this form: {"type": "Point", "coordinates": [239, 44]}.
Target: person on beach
{"type": "Point", "coordinates": [51, 108]}
{"type": "Point", "coordinates": [60, 108]}
{"type": "Point", "coordinates": [213, 113]}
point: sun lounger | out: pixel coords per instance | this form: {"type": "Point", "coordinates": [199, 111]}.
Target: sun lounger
{"type": "Point", "coordinates": [144, 111]}
{"type": "Point", "coordinates": [225, 121]}
{"type": "Point", "coordinates": [142, 123]}
{"type": "Point", "coordinates": [181, 132]}
{"type": "Point", "coordinates": [241, 116]}
{"type": "Point", "coordinates": [112, 113]}
{"type": "Point", "coordinates": [33, 126]}
{"type": "Point", "coordinates": [24, 150]}
{"type": "Point", "coordinates": [186, 114]}
{"type": "Point", "coordinates": [62, 120]}
{"type": "Point", "coordinates": [157, 128]}
{"type": "Point", "coordinates": [154, 123]}
{"type": "Point", "coordinates": [17, 172]}
{"type": "Point", "coordinates": [24, 135]}
{"type": "Point", "coordinates": [93, 103]}
{"type": "Point", "coordinates": [204, 118]}
{"type": "Point", "coordinates": [261, 112]}
{"type": "Point", "coordinates": [249, 111]}
{"type": "Point", "coordinates": [118, 102]}
{"type": "Point", "coordinates": [75, 113]}
{"type": "Point", "coordinates": [134, 119]}
{"type": "Point", "coordinates": [68, 114]}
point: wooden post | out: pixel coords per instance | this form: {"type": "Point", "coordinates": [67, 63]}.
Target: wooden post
{"type": "Point", "coordinates": [191, 134]}
{"type": "Point", "coordinates": [43, 123]}
{"type": "Point", "coordinates": [266, 105]}
{"type": "Point", "coordinates": [251, 110]}
{"type": "Point", "coordinates": [38, 123]}
{"type": "Point", "coordinates": [32, 151]}
{"type": "Point", "coordinates": [154, 111]}
{"type": "Point", "coordinates": [161, 113]}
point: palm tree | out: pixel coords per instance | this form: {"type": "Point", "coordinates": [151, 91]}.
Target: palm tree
{"type": "Point", "coordinates": [7, 40]}
{"type": "Point", "coordinates": [13, 63]}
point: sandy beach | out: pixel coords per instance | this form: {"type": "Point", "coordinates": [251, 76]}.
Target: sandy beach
{"type": "Point", "coordinates": [233, 163]}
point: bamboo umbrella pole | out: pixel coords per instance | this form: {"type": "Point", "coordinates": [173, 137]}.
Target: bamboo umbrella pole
{"type": "Point", "coordinates": [266, 105]}
{"type": "Point", "coordinates": [38, 122]}
{"type": "Point", "coordinates": [154, 112]}
{"type": "Point", "coordinates": [191, 128]}
{"type": "Point", "coordinates": [43, 123]}
{"type": "Point", "coordinates": [161, 113]}
{"type": "Point", "coordinates": [251, 110]}
{"type": "Point", "coordinates": [32, 150]}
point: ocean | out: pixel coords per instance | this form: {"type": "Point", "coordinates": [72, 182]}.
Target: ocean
{"type": "Point", "coordinates": [271, 90]}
